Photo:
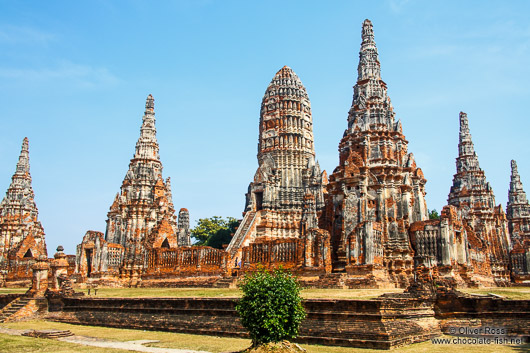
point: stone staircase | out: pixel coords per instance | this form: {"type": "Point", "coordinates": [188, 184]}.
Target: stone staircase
{"type": "Point", "coordinates": [51, 334]}
{"type": "Point", "coordinates": [339, 264]}
{"type": "Point", "coordinates": [226, 282]}
{"type": "Point", "coordinates": [241, 232]}
{"type": "Point", "coordinates": [469, 280]}
{"type": "Point", "coordinates": [331, 280]}
{"type": "Point", "coordinates": [13, 307]}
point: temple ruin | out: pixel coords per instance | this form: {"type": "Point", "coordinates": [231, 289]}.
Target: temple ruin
{"type": "Point", "coordinates": [367, 226]}
{"type": "Point", "coordinates": [22, 238]}
{"type": "Point", "coordinates": [469, 244]}
{"type": "Point", "coordinates": [518, 214]}
{"type": "Point", "coordinates": [286, 197]}
{"type": "Point", "coordinates": [143, 234]}
{"type": "Point", "coordinates": [474, 198]}
{"type": "Point", "coordinates": [377, 190]}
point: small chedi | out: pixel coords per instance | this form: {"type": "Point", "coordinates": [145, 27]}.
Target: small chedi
{"type": "Point", "coordinates": [469, 244]}
{"type": "Point", "coordinates": [286, 197]}
{"type": "Point", "coordinates": [518, 214]}
{"type": "Point", "coordinates": [473, 196]}
{"type": "Point", "coordinates": [143, 234]}
{"type": "Point", "coordinates": [21, 234]}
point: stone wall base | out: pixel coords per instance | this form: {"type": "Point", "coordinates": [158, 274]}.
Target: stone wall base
{"type": "Point", "coordinates": [380, 323]}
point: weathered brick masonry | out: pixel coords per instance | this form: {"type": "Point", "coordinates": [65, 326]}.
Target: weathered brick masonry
{"type": "Point", "coordinates": [21, 233]}
{"type": "Point", "coordinates": [379, 323]}
{"type": "Point", "coordinates": [468, 311]}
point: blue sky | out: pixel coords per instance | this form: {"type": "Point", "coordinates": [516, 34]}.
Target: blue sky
{"type": "Point", "coordinates": [74, 76]}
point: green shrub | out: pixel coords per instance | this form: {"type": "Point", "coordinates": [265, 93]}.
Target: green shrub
{"type": "Point", "coordinates": [271, 307]}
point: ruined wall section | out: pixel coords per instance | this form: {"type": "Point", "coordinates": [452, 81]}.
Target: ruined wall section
{"type": "Point", "coordinates": [377, 190]}
{"type": "Point", "coordinates": [452, 250]}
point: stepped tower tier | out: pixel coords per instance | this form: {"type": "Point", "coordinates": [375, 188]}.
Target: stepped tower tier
{"type": "Point", "coordinates": [377, 190]}
{"type": "Point", "coordinates": [287, 170]}
{"type": "Point", "coordinates": [473, 196]}
{"type": "Point", "coordinates": [518, 214]}
{"type": "Point", "coordinates": [286, 155]}
{"type": "Point", "coordinates": [469, 182]}
{"type": "Point", "coordinates": [21, 233]}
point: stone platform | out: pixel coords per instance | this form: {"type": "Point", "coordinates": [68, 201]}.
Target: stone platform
{"type": "Point", "coordinates": [379, 323]}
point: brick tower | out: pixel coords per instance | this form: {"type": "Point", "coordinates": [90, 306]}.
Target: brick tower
{"type": "Point", "coordinates": [377, 190]}
{"type": "Point", "coordinates": [142, 214]}
{"type": "Point", "coordinates": [288, 179]}
{"type": "Point", "coordinates": [21, 233]}
{"type": "Point", "coordinates": [474, 198]}
{"type": "Point", "coordinates": [518, 214]}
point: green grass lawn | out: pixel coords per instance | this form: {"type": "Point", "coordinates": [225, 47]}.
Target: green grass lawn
{"type": "Point", "coordinates": [508, 292]}
{"type": "Point", "coordinates": [105, 292]}
{"type": "Point", "coordinates": [21, 344]}
{"type": "Point", "coordinates": [13, 290]}
{"type": "Point", "coordinates": [194, 342]}
{"type": "Point", "coordinates": [312, 293]}
{"type": "Point", "coordinates": [309, 293]}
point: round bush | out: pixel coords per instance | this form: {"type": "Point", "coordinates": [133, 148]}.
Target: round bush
{"type": "Point", "coordinates": [271, 308]}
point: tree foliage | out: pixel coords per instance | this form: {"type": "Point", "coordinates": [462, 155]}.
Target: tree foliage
{"type": "Point", "coordinates": [433, 214]}
{"type": "Point", "coordinates": [224, 235]}
{"type": "Point", "coordinates": [214, 231]}
{"type": "Point", "coordinates": [271, 307]}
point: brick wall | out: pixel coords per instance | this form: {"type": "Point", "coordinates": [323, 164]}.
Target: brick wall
{"type": "Point", "coordinates": [381, 323]}
{"type": "Point", "coordinates": [467, 311]}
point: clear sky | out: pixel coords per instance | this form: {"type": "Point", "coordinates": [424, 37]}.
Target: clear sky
{"type": "Point", "coordinates": [74, 76]}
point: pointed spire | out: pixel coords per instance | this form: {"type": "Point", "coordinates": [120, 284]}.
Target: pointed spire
{"type": "Point", "coordinates": [467, 158]}
{"type": "Point", "coordinates": [371, 108]}
{"type": "Point", "coordinates": [141, 190]}
{"type": "Point", "coordinates": [19, 196]}
{"type": "Point", "coordinates": [147, 145]}
{"type": "Point", "coordinates": [516, 194]}
{"type": "Point", "coordinates": [518, 211]}
{"type": "Point", "coordinates": [149, 105]}
{"type": "Point", "coordinates": [369, 66]}
{"type": "Point", "coordinates": [469, 177]}
{"type": "Point", "coordinates": [23, 159]}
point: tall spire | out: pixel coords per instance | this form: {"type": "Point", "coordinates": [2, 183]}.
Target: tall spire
{"type": "Point", "coordinates": [369, 66]}
{"type": "Point", "coordinates": [23, 159]}
{"type": "Point", "coordinates": [371, 108]}
{"type": "Point", "coordinates": [19, 197]}
{"type": "Point", "coordinates": [467, 158]}
{"type": "Point", "coordinates": [470, 187]}
{"type": "Point", "coordinates": [19, 214]}
{"type": "Point", "coordinates": [518, 205]}
{"type": "Point", "coordinates": [147, 145]}
{"type": "Point", "coordinates": [144, 197]}
{"type": "Point", "coordinates": [516, 193]}
{"type": "Point", "coordinates": [518, 214]}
